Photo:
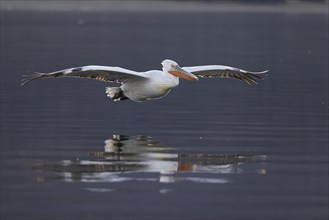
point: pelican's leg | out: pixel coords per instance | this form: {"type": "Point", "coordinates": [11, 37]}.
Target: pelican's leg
{"type": "Point", "coordinates": [115, 93]}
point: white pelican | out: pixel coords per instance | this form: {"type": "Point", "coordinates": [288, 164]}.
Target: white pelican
{"type": "Point", "coordinates": [153, 84]}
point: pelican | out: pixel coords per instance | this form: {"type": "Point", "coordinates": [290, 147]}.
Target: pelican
{"type": "Point", "coordinates": [153, 84]}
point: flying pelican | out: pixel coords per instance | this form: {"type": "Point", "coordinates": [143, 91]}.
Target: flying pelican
{"type": "Point", "coordinates": [153, 84]}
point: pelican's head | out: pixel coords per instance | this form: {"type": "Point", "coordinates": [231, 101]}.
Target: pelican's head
{"type": "Point", "coordinates": [173, 68]}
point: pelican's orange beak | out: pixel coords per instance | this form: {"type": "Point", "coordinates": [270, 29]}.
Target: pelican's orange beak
{"type": "Point", "coordinates": [179, 72]}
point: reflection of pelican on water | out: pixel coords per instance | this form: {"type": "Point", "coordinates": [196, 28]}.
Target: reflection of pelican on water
{"type": "Point", "coordinates": [124, 155]}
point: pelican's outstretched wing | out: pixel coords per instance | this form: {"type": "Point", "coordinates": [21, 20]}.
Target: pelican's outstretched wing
{"type": "Point", "coordinates": [101, 73]}
{"type": "Point", "coordinates": [213, 71]}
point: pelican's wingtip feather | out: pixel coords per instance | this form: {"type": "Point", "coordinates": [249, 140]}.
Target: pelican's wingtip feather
{"type": "Point", "coordinates": [258, 73]}
{"type": "Point", "coordinates": [29, 77]}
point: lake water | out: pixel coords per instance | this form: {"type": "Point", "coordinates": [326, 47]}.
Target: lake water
{"type": "Point", "coordinates": [213, 149]}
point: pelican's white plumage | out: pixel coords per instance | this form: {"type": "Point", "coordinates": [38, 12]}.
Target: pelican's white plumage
{"type": "Point", "coordinates": [140, 86]}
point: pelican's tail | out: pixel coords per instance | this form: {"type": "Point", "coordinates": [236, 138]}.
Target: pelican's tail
{"type": "Point", "coordinates": [30, 77]}
{"type": "Point", "coordinates": [115, 93]}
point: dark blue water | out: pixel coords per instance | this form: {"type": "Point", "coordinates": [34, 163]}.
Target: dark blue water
{"type": "Point", "coordinates": [213, 149]}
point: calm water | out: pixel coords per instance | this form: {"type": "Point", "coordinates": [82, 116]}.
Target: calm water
{"type": "Point", "coordinates": [209, 150]}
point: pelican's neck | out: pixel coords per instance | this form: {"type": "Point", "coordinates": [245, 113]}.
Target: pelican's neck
{"type": "Point", "coordinates": [171, 79]}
